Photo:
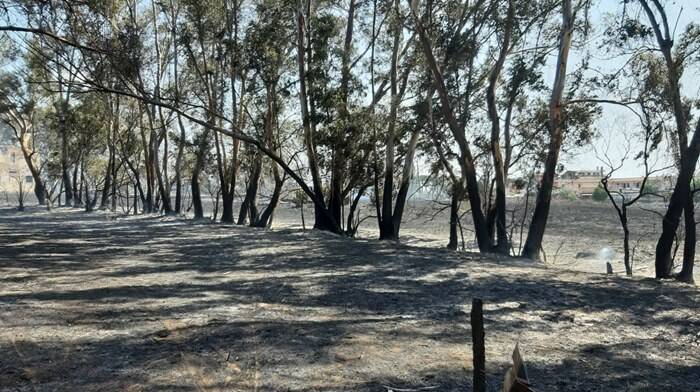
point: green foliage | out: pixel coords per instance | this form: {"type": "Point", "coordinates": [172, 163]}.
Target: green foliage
{"type": "Point", "coordinates": [520, 183]}
{"type": "Point", "coordinates": [299, 198]}
{"type": "Point", "coordinates": [565, 194]}
{"type": "Point", "coordinates": [599, 194]}
{"type": "Point", "coordinates": [650, 188]}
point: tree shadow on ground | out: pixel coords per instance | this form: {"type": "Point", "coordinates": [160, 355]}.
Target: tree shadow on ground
{"type": "Point", "coordinates": [154, 303]}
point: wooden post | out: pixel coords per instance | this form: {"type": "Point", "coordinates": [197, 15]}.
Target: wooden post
{"type": "Point", "coordinates": [478, 348]}
{"type": "Point", "coordinates": [516, 379]}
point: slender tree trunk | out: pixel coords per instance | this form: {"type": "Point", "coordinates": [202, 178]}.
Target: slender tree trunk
{"type": "Point", "coordinates": [108, 182]}
{"type": "Point", "coordinates": [251, 195]}
{"type": "Point", "coordinates": [688, 153]}
{"type": "Point", "coordinates": [111, 140]}
{"type": "Point", "coordinates": [502, 244]}
{"type": "Point", "coordinates": [676, 206]}
{"type": "Point", "coordinates": [183, 137]}
{"type": "Point", "coordinates": [466, 158]}
{"type": "Point", "coordinates": [386, 230]}
{"type": "Point", "coordinates": [265, 219]}
{"type": "Point", "coordinates": [196, 197]}
{"type": "Point", "coordinates": [178, 166]}
{"type": "Point", "coordinates": [115, 170]}
{"type": "Point", "coordinates": [324, 220]}
{"type": "Point", "coordinates": [535, 235]}
{"type": "Point", "coordinates": [406, 176]}
{"type": "Point", "coordinates": [202, 150]}
{"type": "Point", "coordinates": [77, 184]}
{"type": "Point", "coordinates": [454, 216]}
{"type": "Point", "coordinates": [67, 183]}
{"type": "Point", "coordinates": [686, 274]}
{"type": "Point", "coordinates": [39, 187]}
{"type": "Point", "coordinates": [626, 241]}
{"type": "Point", "coordinates": [351, 227]}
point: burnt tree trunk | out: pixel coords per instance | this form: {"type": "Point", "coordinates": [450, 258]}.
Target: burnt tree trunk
{"type": "Point", "coordinates": [202, 149]}
{"type": "Point", "coordinates": [676, 206]}
{"type": "Point", "coordinates": [502, 242]}
{"type": "Point", "coordinates": [454, 216]}
{"type": "Point", "coordinates": [535, 235]}
{"type": "Point", "coordinates": [478, 345]}
{"type": "Point", "coordinates": [686, 274]}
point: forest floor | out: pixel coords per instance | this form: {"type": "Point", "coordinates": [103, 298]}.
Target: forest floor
{"type": "Point", "coordinates": [90, 302]}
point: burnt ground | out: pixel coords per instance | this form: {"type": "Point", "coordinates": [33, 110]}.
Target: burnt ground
{"type": "Point", "coordinates": [93, 303]}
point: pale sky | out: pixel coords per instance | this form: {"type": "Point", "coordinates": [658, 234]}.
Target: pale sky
{"type": "Point", "coordinates": [615, 121]}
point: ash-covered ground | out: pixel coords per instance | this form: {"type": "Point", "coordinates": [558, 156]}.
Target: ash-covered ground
{"type": "Point", "coordinates": [95, 302]}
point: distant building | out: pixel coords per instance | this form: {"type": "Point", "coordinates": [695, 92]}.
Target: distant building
{"type": "Point", "coordinates": [584, 182]}
{"type": "Point", "coordinates": [580, 182]}
{"type": "Point", "coordinates": [13, 170]}
{"type": "Point", "coordinates": [626, 185]}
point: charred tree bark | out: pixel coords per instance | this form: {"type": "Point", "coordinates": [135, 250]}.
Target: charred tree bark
{"type": "Point", "coordinates": [265, 219]}
{"type": "Point", "coordinates": [688, 153]}
{"type": "Point", "coordinates": [535, 235]}
{"type": "Point", "coordinates": [65, 167]}
{"type": "Point", "coordinates": [22, 128]}
{"type": "Point", "coordinates": [111, 163]}
{"type": "Point", "coordinates": [324, 219]}
{"type": "Point", "coordinates": [502, 243]}
{"type": "Point", "coordinates": [454, 216]}
{"type": "Point", "coordinates": [249, 208]}
{"type": "Point", "coordinates": [202, 149]}
{"type": "Point", "coordinates": [387, 229]}
{"type": "Point", "coordinates": [686, 274]}
{"type": "Point", "coordinates": [181, 126]}
{"type": "Point", "coordinates": [478, 346]}
{"type": "Point", "coordinates": [466, 158]}
{"type": "Point", "coordinates": [676, 206]}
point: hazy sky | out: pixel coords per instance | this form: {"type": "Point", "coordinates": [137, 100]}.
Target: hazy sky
{"type": "Point", "coordinates": [616, 121]}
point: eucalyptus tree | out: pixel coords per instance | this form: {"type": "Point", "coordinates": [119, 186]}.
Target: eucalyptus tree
{"type": "Point", "coordinates": [460, 41]}
{"type": "Point", "coordinates": [57, 67]}
{"type": "Point", "coordinates": [18, 112]}
{"type": "Point", "coordinates": [202, 25]}
{"type": "Point", "coordinates": [644, 35]}
{"type": "Point", "coordinates": [455, 46]}
{"type": "Point", "coordinates": [269, 63]}
{"type": "Point", "coordinates": [558, 114]}
{"type": "Point", "coordinates": [676, 60]}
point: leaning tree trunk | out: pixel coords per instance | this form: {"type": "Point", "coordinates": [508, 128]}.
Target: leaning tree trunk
{"type": "Point", "coordinates": [688, 153]}
{"type": "Point", "coordinates": [39, 187]}
{"type": "Point", "coordinates": [265, 219]}
{"type": "Point", "coordinates": [677, 204]}
{"type": "Point", "coordinates": [466, 159]}
{"type": "Point", "coordinates": [248, 208]}
{"type": "Point", "coordinates": [535, 235]}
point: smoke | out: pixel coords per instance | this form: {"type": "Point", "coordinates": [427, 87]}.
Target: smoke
{"type": "Point", "coordinates": [606, 254]}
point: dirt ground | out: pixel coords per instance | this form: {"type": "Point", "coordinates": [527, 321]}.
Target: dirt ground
{"type": "Point", "coordinates": [581, 235]}
{"type": "Point", "coordinates": [90, 302]}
